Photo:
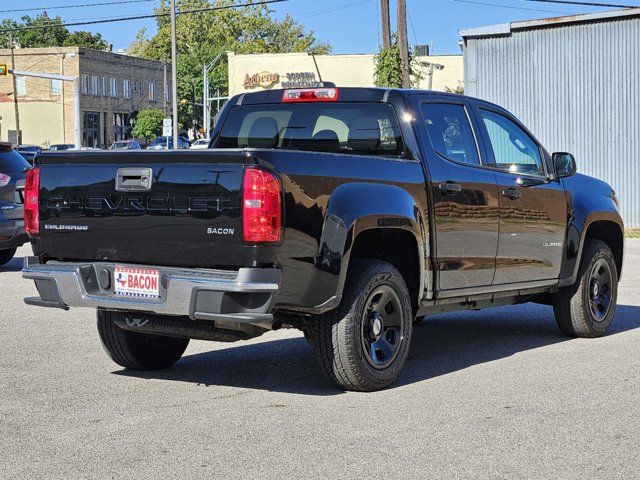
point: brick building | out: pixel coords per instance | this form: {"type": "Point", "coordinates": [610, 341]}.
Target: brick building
{"type": "Point", "coordinates": [111, 87]}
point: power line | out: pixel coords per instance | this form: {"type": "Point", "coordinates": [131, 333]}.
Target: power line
{"type": "Point", "coordinates": [140, 17]}
{"type": "Point", "coordinates": [588, 4]}
{"type": "Point", "coordinates": [335, 8]}
{"type": "Point", "coordinates": [508, 6]}
{"type": "Point", "coordinates": [81, 5]}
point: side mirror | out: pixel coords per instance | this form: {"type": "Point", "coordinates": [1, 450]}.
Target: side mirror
{"type": "Point", "coordinates": [565, 164]}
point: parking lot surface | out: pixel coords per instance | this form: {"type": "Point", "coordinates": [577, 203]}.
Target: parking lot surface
{"type": "Point", "coordinates": [497, 393]}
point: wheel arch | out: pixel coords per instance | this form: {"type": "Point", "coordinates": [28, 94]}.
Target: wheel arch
{"type": "Point", "coordinates": [606, 226]}
{"type": "Point", "coordinates": [380, 221]}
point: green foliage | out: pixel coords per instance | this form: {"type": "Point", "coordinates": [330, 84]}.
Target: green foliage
{"type": "Point", "coordinates": [459, 89]}
{"type": "Point", "coordinates": [388, 67]}
{"type": "Point", "coordinates": [388, 71]}
{"type": "Point", "coordinates": [55, 35]}
{"type": "Point", "coordinates": [202, 36]}
{"type": "Point", "coordinates": [148, 123]}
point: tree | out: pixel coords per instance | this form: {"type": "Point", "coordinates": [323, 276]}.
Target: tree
{"type": "Point", "coordinates": [148, 123]}
{"type": "Point", "coordinates": [388, 71]}
{"type": "Point", "coordinates": [55, 35]}
{"type": "Point", "coordinates": [202, 36]}
{"type": "Point", "coordinates": [388, 67]}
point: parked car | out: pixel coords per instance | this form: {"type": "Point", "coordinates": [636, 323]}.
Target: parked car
{"type": "Point", "coordinates": [346, 213]}
{"type": "Point", "coordinates": [125, 145]}
{"type": "Point", "coordinates": [13, 169]}
{"type": "Point", "coordinates": [61, 147]}
{"type": "Point", "coordinates": [200, 144]}
{"type": "Point", "coordinates": [161, 143]}
{"type": "Point", "coordinates": [29, 152]}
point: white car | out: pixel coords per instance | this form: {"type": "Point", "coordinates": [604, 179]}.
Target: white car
{"type": "Point", "coordinates": [200, 144]}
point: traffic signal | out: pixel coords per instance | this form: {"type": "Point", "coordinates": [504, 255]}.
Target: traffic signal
{"type": "Point", "coordinates": [4, 70]}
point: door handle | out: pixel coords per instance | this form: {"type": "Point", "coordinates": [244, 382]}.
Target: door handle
{"type": "Point", "coordinates": [450, 188]}
{"type": "Point", "coordinates": [134, 179]}
{"type": "Point", "coordinates": [511, 193]}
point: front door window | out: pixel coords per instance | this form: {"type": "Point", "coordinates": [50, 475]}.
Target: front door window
{"type": "Point", "coordinates": [513, 150]}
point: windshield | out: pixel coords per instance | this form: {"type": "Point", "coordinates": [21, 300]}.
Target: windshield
{"type": "Point", "coordinates": [355, 128]}
{"type": "Point", "coordinates": [120, 145]}
{"type": "Point", "coordinates": [28, 149]}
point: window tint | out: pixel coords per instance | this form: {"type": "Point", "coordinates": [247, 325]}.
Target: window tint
{"type": "Point", "coordinates": [513, 150]}
{"type": "Point", "coordinates": [450, 132]}
{"type": "Point", "coordinates": [12, 162]}
{"type": "Point", "coordinates": [353, 128]}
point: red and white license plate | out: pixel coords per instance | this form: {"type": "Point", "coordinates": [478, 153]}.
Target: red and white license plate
{"type": "Point", "coordinates": [137, 282]}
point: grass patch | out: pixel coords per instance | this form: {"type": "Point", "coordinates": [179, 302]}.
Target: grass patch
{"type": "Point", "coordinates": [632, 233]}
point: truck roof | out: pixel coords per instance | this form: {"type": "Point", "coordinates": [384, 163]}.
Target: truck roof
{"type": "Point", "coordinates": [347, 94]}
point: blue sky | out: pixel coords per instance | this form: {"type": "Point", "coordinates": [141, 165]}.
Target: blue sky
{"type": "Point", "coordinates": [350, 26]}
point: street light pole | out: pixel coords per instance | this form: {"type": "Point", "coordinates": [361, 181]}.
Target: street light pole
{"type": "Point", "coordinates": [174, 74]}
{"type": "Point", "coordinates": [206, 100]}
{"type": "Point", "coordinates": [15, 93]}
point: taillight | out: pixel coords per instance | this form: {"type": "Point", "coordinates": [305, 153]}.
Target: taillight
{"type": "Point", "coordinates": [4, 180]}
{"type": "Point", "coordinates": [261, 206]}
{"type": "Point", "coordinates": [31, 194]}
{"type": "Point", "coordinates": [310, 95]}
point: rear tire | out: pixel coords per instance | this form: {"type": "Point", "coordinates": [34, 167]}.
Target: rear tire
{"type": "Point", "coordinates": [138, 351]}
{"type": "Point", "coordinates": [6, 256]}
{"type": "Point", "coordinates": [363, 344]}
{"type": "Point", "coordinates": [586, 309]}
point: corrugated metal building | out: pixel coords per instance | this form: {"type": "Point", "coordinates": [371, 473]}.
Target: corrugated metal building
{"type": "Point", "coordinates": [575, 82]}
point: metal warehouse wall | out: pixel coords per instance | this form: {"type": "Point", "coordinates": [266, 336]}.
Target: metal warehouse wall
{"type": "Point", "coordinates": [577, 88]}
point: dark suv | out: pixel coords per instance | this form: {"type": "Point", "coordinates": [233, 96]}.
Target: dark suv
{"type": "Point", "coordinates": [12, 175]}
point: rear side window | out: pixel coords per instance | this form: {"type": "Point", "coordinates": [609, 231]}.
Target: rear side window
{"type": "Point", "coordinates": [450, 132]}
{"type": "Point", "coordinates": [12, 161]}
{"type": "Point", "coordinates": [353, 128]}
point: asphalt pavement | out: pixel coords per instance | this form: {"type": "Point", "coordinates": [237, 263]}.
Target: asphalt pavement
{"type": "Point", "coordinates": [498, 394]}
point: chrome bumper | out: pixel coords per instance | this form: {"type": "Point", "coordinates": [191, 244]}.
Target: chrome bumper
{"type": "Point", "coordinates": [245, 295]}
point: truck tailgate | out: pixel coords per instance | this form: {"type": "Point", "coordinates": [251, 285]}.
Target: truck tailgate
{"type": "Point", "coordinates": [157, 208]}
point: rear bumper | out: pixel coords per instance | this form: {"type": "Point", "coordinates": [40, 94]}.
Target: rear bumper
{"type": "Point", "coordinates": [12, 234]}
{"type": "Point", "coordinates": [244, 296]}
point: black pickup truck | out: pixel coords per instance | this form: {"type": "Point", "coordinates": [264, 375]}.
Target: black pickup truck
{"type": "Point", "coordinates": [348, 213]}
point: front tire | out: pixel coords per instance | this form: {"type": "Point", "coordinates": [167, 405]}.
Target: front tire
{"type": "Point", "coordinates": [135, 350]}
{"type": "Point", "coordinates": [363, 344]}
{"type": "Point", "coordinates": [6, 256]}
{"type": "Point", "coordinates": [586, 309]}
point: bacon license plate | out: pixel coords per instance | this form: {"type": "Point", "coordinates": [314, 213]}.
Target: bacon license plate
{"type": "Point", "coordinates": [137, 282]}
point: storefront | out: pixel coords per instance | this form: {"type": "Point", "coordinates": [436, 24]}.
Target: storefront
{"type": "Point", "coordinates": [249, 73]}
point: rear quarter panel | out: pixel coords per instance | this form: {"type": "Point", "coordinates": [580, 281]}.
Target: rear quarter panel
{"type": "Point", "coordinates": [329, 199]}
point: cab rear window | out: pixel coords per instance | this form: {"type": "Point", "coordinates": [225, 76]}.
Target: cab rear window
{"type": "Point", "coordinates": [352, 128]}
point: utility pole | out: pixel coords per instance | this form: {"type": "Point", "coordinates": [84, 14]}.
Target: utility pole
{"type": "Point", "coordinates": [205, 101]}
{"type": "Point", "coordinates": [386, 24]}
{"type": "Point", "coordinates": [403, 44]}
{"type": "Point", "coordinates": [174, 74]}
{"type": "Point", "coordinates": [15, 91]}
{"type": "Point", "coordinates": [164, 87]}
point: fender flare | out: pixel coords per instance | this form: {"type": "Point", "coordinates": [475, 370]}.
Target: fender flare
{"type": "Point", "coordinates": [576, 237]}
{"type": "Point", "coordinates": [357, 207]}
